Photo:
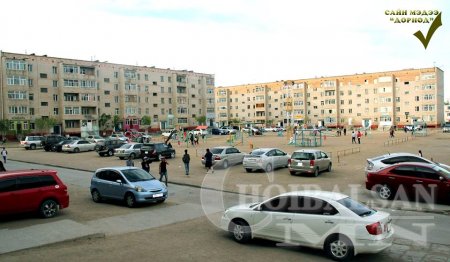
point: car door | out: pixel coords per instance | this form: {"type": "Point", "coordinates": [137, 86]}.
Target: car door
{"type": "Point", "coordinates": [28, 194]}
{"type": "Point", "coordinates": [325, 160]}
{"type": "Point", "coordinates": [272, 220]}
{"type": "Point", "coordinates": [427, 184]}
{"type": "Point", "coordinates": [8, 195]}
{"type": "Point", "coordinates": [100, 182]}
{"type": "Point", "coordinates": [137, 149]}
{"type": "Point", "coordinates": [116, 189]}
{"type": "Point", "coordinates": [269, 158]}
{"type": "Point", "coordinates": [318, 160]}
{"type": "Point", "coordinates": [402, 179]}
{"type": "Point", "coordinates": [229, 154]}
{"type": "Point", "coordinates": [313, 219]}
{"type": "Point", "coordinates": [282, 159]}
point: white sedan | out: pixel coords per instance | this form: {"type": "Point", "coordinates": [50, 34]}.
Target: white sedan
{"type": "Point", "coordinates": [331, 221]}
{"type": "Point", "coordinates": [78, 146]}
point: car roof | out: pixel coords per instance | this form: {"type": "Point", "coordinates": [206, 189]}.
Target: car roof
{"type": "Point", "coordinates": [324, 195]}
{"type": "Point", "coordinates": [389, 155]}
{"type": "Point", "coordinates": [223, 147]}
{"type": "Point", "coordinates": [118, 168]}
{"type": "Point", "coordinates": [26, 172]}
{"type": "Point", "coordinates": [307, 150]}
{"type": "Point", "coordinates": [266, 149]}
{"type": "Point", "coordinates": [414, 164]}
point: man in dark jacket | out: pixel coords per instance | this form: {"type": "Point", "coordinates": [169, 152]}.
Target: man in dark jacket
{"type": "Point", "coordinates": [208, 160]}
{"type": "Point", "coordinates": [186, 159]}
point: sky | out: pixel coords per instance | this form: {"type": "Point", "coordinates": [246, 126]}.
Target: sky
{"type": "Point", "coordinates": [239, 41]}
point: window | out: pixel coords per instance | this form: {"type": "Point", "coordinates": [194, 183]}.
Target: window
{"type": "Point", "coordinates": [107, 105]}
{"type": "Point", "coordinates": [279, 204]}
{"type": "Point", "coordinates": [55, 97]}
{"type": "Point", "coordinates": [44, 103]}
{"type": "Point", "coordinates": [17, 95]}
{"type": "Point", "coordinates": [42, 75]}
{"type": "Point", "coordinates": [17, 110]}
{"type": "Point", "coordinates": [70, 69]}
{"type": "Point", "coordinates": [16, 65]}
{"type": "Point", "coordinates": [54, 70]}
{"type": "Point", "coordinates": [68, 110]}
{"type": "Point", "coordinates": [16, 80]}
{"type": "Point", "coordinates": [44, 90]}
{"type": "Point", "coordinates": [55, 111]}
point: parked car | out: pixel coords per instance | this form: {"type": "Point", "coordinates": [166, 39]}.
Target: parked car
{"type": "Point", "coordinates": [31, 142]}
{"type": "Point", "coordinates": [167, 133]}
{"type": "Point", "coordinates": [226, 130]}
{"type": "Point", "coordinates": [58, 147]}
{"type": "Point", "coordinates": [154, 151]}
{"type": "Point", "coordinates": [266, 159]}
{"type": "Point", "coordinates": [94, 138]}
{"type": "Point", "coordinates": [446, 128]}
{"type": "Point", "coordinates": [200, 132]}
{"type": "Point", "coordinates": [73, 138]}
{"type": "Point", "coordinates": [47, 142]}
{"type": "Point", "coordinates": [411, 179]}
{"type": "Point", "coordinates": [78, 146]}
{"type": "Point", "coordinates": [331, 221]}
{"type": "Point", "coordinates": [225, 156]}
{"type": "Point", "coordinates": [34, 190]}
{"type": "Point", "coordinates": [127, 150]}
{"type": "Point", "coordinates": [413, 127]}
{"type": "Point", "coordinates": [310, 161]}
{"type": "Point", "coordinates": [119, 137]}
{"type": "Point", "coordinates": [130, 184]}
{"type": "Point", "coordinates": [217, 131]}
{"type": "Point", "coordinates": [106, 148]}
{"type": "Point", "coordinates": [380, 162]}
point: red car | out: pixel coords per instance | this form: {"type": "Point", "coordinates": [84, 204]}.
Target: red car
{"type": "Point", "coordinates": [409, 180]}
{"type": "Point", "coordinates": [24, 191]}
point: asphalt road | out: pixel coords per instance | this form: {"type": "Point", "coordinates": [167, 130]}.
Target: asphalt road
{"type": "Point", "coordinates": [182, 229]}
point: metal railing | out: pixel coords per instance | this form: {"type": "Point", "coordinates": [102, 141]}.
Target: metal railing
{"type": "Point", "coordinates": [395, 141]}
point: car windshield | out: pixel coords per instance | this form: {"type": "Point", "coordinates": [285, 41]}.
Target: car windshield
{"type": "Point", "coordinates": [135, 175]}
{"type": "Point", "coordinates": [356, 207]}
{"type": "Point", "coordinates": [302, 156]}
{"type": "Point", "coordinates": [442, 171]}
{"type": "Point", "coordinates": [126, 146]}
{"type": "Point", "coordinates": [216, 150]}
{"type": "Point", "coordinates": [257, 152]}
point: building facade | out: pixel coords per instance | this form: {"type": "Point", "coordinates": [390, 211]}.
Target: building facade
{"type": "Point", "coordinates": [392, 98]}
{"type": "Point", "coordinates": [77, 92]}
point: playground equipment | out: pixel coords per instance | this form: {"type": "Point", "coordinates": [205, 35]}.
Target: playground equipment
{"type": "Point", "coordinates": [306, 138]}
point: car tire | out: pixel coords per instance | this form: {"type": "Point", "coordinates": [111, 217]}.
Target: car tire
{"type": "Point", "coordinates": [32, 146]}
{"type": "Point", "coordinates": [47, 149]}
{"type": "Point", "coordinates": [268, 168]}
{"type": "Point", "coordinates": [384, 192]}
{"type": "Point", "coordinates": [172, 155]}
{"type": "Point", "coordinates": [133, 155]}
{"type": "Point", "coordinates": [110, 152]}
{"type": "Point", "coordinates": [130, 200]}
{"type": "Point", "coordinates": [48, 208]}
{"type": "Point", "coordinates": [76, 150]}
{"type": "Point", "coordinates": [292, 173]}
{"type": "Point", "coordinates": [121, 158]}
{"type": "Point", "coordinates": [339, 248]}
{"type": "Point", "coordinates": [101, 154]}
{"type": "Point", "coordinates": [249, 170]}
{"type": "Point", "coordinates": [225, 164]}
{"type": "Point", "coordinates": [96, 197]}
{"type": "Point", "coordinates": [329, 168]}
{"type": "Point", "coordinates": [316, 172]}
{"type": "Point", "coordinates": [240, 231]}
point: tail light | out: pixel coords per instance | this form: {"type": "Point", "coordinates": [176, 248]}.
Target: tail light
{"type": "Point", "coordinates": [311, 162]}
{"type": "Point", "coordinates": [374, 229]}
{"type": "Point", "coordinates": [217, 158]}
{"type": "Point", "coordinates": [289, 161]}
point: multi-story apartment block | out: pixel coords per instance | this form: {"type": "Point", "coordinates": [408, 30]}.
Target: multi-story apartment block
{"type": "Point", "coordinates": [392, 98]}
{"type": "Point", "coordinates": [447, 113]}
{"type": "Point", "coordinates": [78, 92]}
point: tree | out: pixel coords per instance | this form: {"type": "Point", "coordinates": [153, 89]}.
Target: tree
{"type": "Point", "coordinates": [146, 120]}
{"type": "Point", "coordinates": [103, 121]}
{"type": "Point", "coordinates": [45, 123]}
{"type": "Point", "coordinates": [4, 126]}
{"type": "Point", "coordinates": [201, 119]}
{"type": "Point", "coordinates": [116, 121]}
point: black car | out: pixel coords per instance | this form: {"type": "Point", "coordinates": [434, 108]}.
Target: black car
{"type": "Point", "coordinates": [216, 131]}
{"type": "Point", "coordinates": [58, 147]}
{"type": "Point", "coordinates": [50, 140]}
{"type": "Point", "coordinates": [106, 148]}
{"type": "Point", "coordinates": [155, 151]}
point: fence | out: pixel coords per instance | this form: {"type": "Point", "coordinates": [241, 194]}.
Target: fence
{"type": "Point", "coordinates": [394, 141]}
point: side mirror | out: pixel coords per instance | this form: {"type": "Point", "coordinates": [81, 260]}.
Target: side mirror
{"type": "Point", "coordinates": [258, 208]}
{"type": "Point", "coordinates": [119, 181]}
{"type": "Point", "coordinates": [442, 178]}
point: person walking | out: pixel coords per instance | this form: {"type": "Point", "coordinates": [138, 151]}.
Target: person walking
{"type": "Point", "coordinates": [146, 164]}
{"type": "Point", "coordinates": [359, 135]}
{"type": "Point", "coordinates": [186, 159]}
{"type": "Point", "coordinates": [353, 137]}
{"type": "Point", "coordinates": [163, 170]}
{"type": "Point", "coordinates": [345, 131]}
{"type": "Point", "coordinates": [420, 153]}
{"type": "Point", "coordinates": [4, 154]}
{"type": "Point", "coordinates": [208, 160]}
{"type": "Point", "coordinates": [191, 137]}
{"type": "Point", "coordinates": [130, 161]}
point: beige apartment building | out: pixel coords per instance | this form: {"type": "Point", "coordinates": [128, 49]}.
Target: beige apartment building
{"type": "Point", "coordinates": [382, 99]}
{"type": "Point", "coordinates": [78, 92]}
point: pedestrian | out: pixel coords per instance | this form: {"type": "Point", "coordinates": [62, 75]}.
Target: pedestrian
{"type": "Point", "coordinates": [420, 153]}
{"type": "Point", "coordinates": [353, 137]}
{"type": "Point", "coordinates": [345, 131]}
{"type": "Point", "coordinates": [130, 161]}
{"type": "Point", "coordinates": [2, 167]}
{"type": "Point", "coordinates": [4, 154]}
{"type": "Point", "coordinates": [146, 164]}
{"type": "Point", "coordinates": [186, 159]}
{"type": "Point", "coordinates": [208, 160]}
{"type": "Point", "coordinates": [163, 170]}
{"type": "Point", "coordinates": [191, 137]}
{"type": "Point", "coordinates": [359, 135]}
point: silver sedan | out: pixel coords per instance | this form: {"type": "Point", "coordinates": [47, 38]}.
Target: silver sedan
{"type": "Point", "coordinates": [225, 156]}
{"type": "Point", "coordinates": [266, 159]}
{"type": "Point", "coordinates": [78, 146]}
{"type": "Point", "coordinates": [127, 150]}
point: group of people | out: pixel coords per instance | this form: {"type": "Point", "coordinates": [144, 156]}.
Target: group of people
{"type": "Point", "coordinates": [341, 130]}
{"type": "Point", "coordinates": [356, 135]}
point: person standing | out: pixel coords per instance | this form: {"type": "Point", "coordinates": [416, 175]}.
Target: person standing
{"type": "Point", "coordinates": [186, 159]}
{"type": "Point", "coordinates": [163, 170]}
{"type": "Point", "coordinates": [420, 153]}
{"type": "Point", "coordinates": [191, 137]}
{"type": "Point", "coordinates": [130, 161]}
{"type": "Point", "coordinates": [345, 131]}
{"type": "Point", "coordinates": [359, 135]}
{"type": "Point", "coordinates": [208, 160]}
{"type": "Point", "coordinates": [353, 137]}
{"type": "Point", "coordinates": [146, 164]}
{"type": "Point", "coordinates": [4, 154]}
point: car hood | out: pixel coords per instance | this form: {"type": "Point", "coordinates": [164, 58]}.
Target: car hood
{"type": "Point", "coordinates": [250, 206]}
{"type": "Point", "coordinates": [150, 185]}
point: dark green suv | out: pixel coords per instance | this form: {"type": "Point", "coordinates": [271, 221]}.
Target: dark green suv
{"type": "Point", "coordinates": [106, 148]}
{"type": "Point", "coordinates": [49, 141]}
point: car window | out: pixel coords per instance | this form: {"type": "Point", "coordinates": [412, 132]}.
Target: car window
{"type": "Point", "coordinates": [311, 206]}
{"type": "Point", "coordinates": [257, 152]}
{"type": "Point", "coordinates": [28, 182]}
{"type": "Point", "coordinates": [47, 180]}
{"type": "Point", "coordinates": [279, 153]}
{"type": "Point", "coordinates": [323, 155]}
{"type": "Point", "coordinates": [7, 185]}
{"type": "Point", "coordinates": [216, 151]}
{"type": "Point", "coordinates": [318, 155]}
{"type": "Point", "coordinates": [114, 176]}
{"type": "Point", "coordinates": [426, 172]}
{"type": "Point", "coordinates": [102, 174]}
{"type": "Point", "coordinates": [302, 156]}
{"type": "Point", "coordinates": [278, 204]}
{"type": "Point", "coordinates": [356, 207]}
{"type": "Point", "coordinates": [135, 175]}
{"type": "Point", "coordinates": [271, 153]}
{"type": "Point", "coordinates": [416, 159]}
{"type": "Point", "coordinates": [393, 160]}
{"type": "Point", "coordinates": [137, 146]}
{"type": "Point", "coordinates": [404, 171]}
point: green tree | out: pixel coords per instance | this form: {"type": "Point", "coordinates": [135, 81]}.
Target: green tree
{"type": "Point", "coordinates": [116, 121]}
{"type": "Point", "coordinates": [45, 123]}
{"type": "Point", "coordinates": [4, 126]}
{"type": "Point", "coordinates": [146, 120]}
{"type": "Point", "coordinates": [103, 121]}
{"type": "Point", "coordinates": [201, 119]}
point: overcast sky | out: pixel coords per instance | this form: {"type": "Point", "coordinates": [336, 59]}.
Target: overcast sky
{"type": "Point", "coordinates": [240, 42]}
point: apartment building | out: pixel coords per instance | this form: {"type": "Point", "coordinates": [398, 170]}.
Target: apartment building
{"type": "Point", "coordinates": [392, 98]}
{"type": "Point", "coordinates": [78, 92]}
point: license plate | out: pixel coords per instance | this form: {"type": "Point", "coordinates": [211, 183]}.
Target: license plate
{"type": "Point", "coordinates": [146, 152]}
{"type": "Point", "coordinates": [300, 164]}
{"type": "Point", "coordinates": [157, 195]}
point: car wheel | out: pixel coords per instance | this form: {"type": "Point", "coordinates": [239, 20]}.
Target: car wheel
{"type": "Point", "coordinates": [48, 208]}
{"type": "Point", "coordinates": [241, 231]}
{"type": "Point", "coordinates": [133, 155]}
{"type": "Point", "coordinates": [248, 170]}
{"type": "Point", "coordinates": [268, 168]}
{"type": "Point", "coordinates": [46, 149]}
{"type": "Point", "coordinates": [316, 172]}
{"type": "Point", "coordinates": [130, 200]}
{"type": "Point", "coordinates": [101, 154]}
{"type": "Point", "coordinates": [292, 173]}
{"type": "Point", "coordinates": [121, 158]}
{"type": "Point", "coordinates": [110, 152]}
{"type": "Point", "coordinates": [329, 168]}
{"type": "Point", "coordinates": [76, 150]}
{"type": "Point", "coordinates": [172, 155]}
{"type": "Point", "coordinates": [339, 248]}
{"type": "Point", "coordinates": [96, 197]}
{"type": "Point", "coordinates": [32, 146]}
{"type": "Point", "coordinates": [225, 164]}
{"type": "Point", "coordinates": [385, 192]}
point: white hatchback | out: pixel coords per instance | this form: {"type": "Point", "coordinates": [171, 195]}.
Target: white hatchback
{"type": "Point", "coordinates": [331, 221]}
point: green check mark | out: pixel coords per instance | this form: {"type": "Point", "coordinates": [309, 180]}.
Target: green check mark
{"type": "Point", "coordinates": [434, 26]}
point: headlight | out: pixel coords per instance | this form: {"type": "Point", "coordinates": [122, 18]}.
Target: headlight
{"type": "Point", "coordinates": [140, 189]}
